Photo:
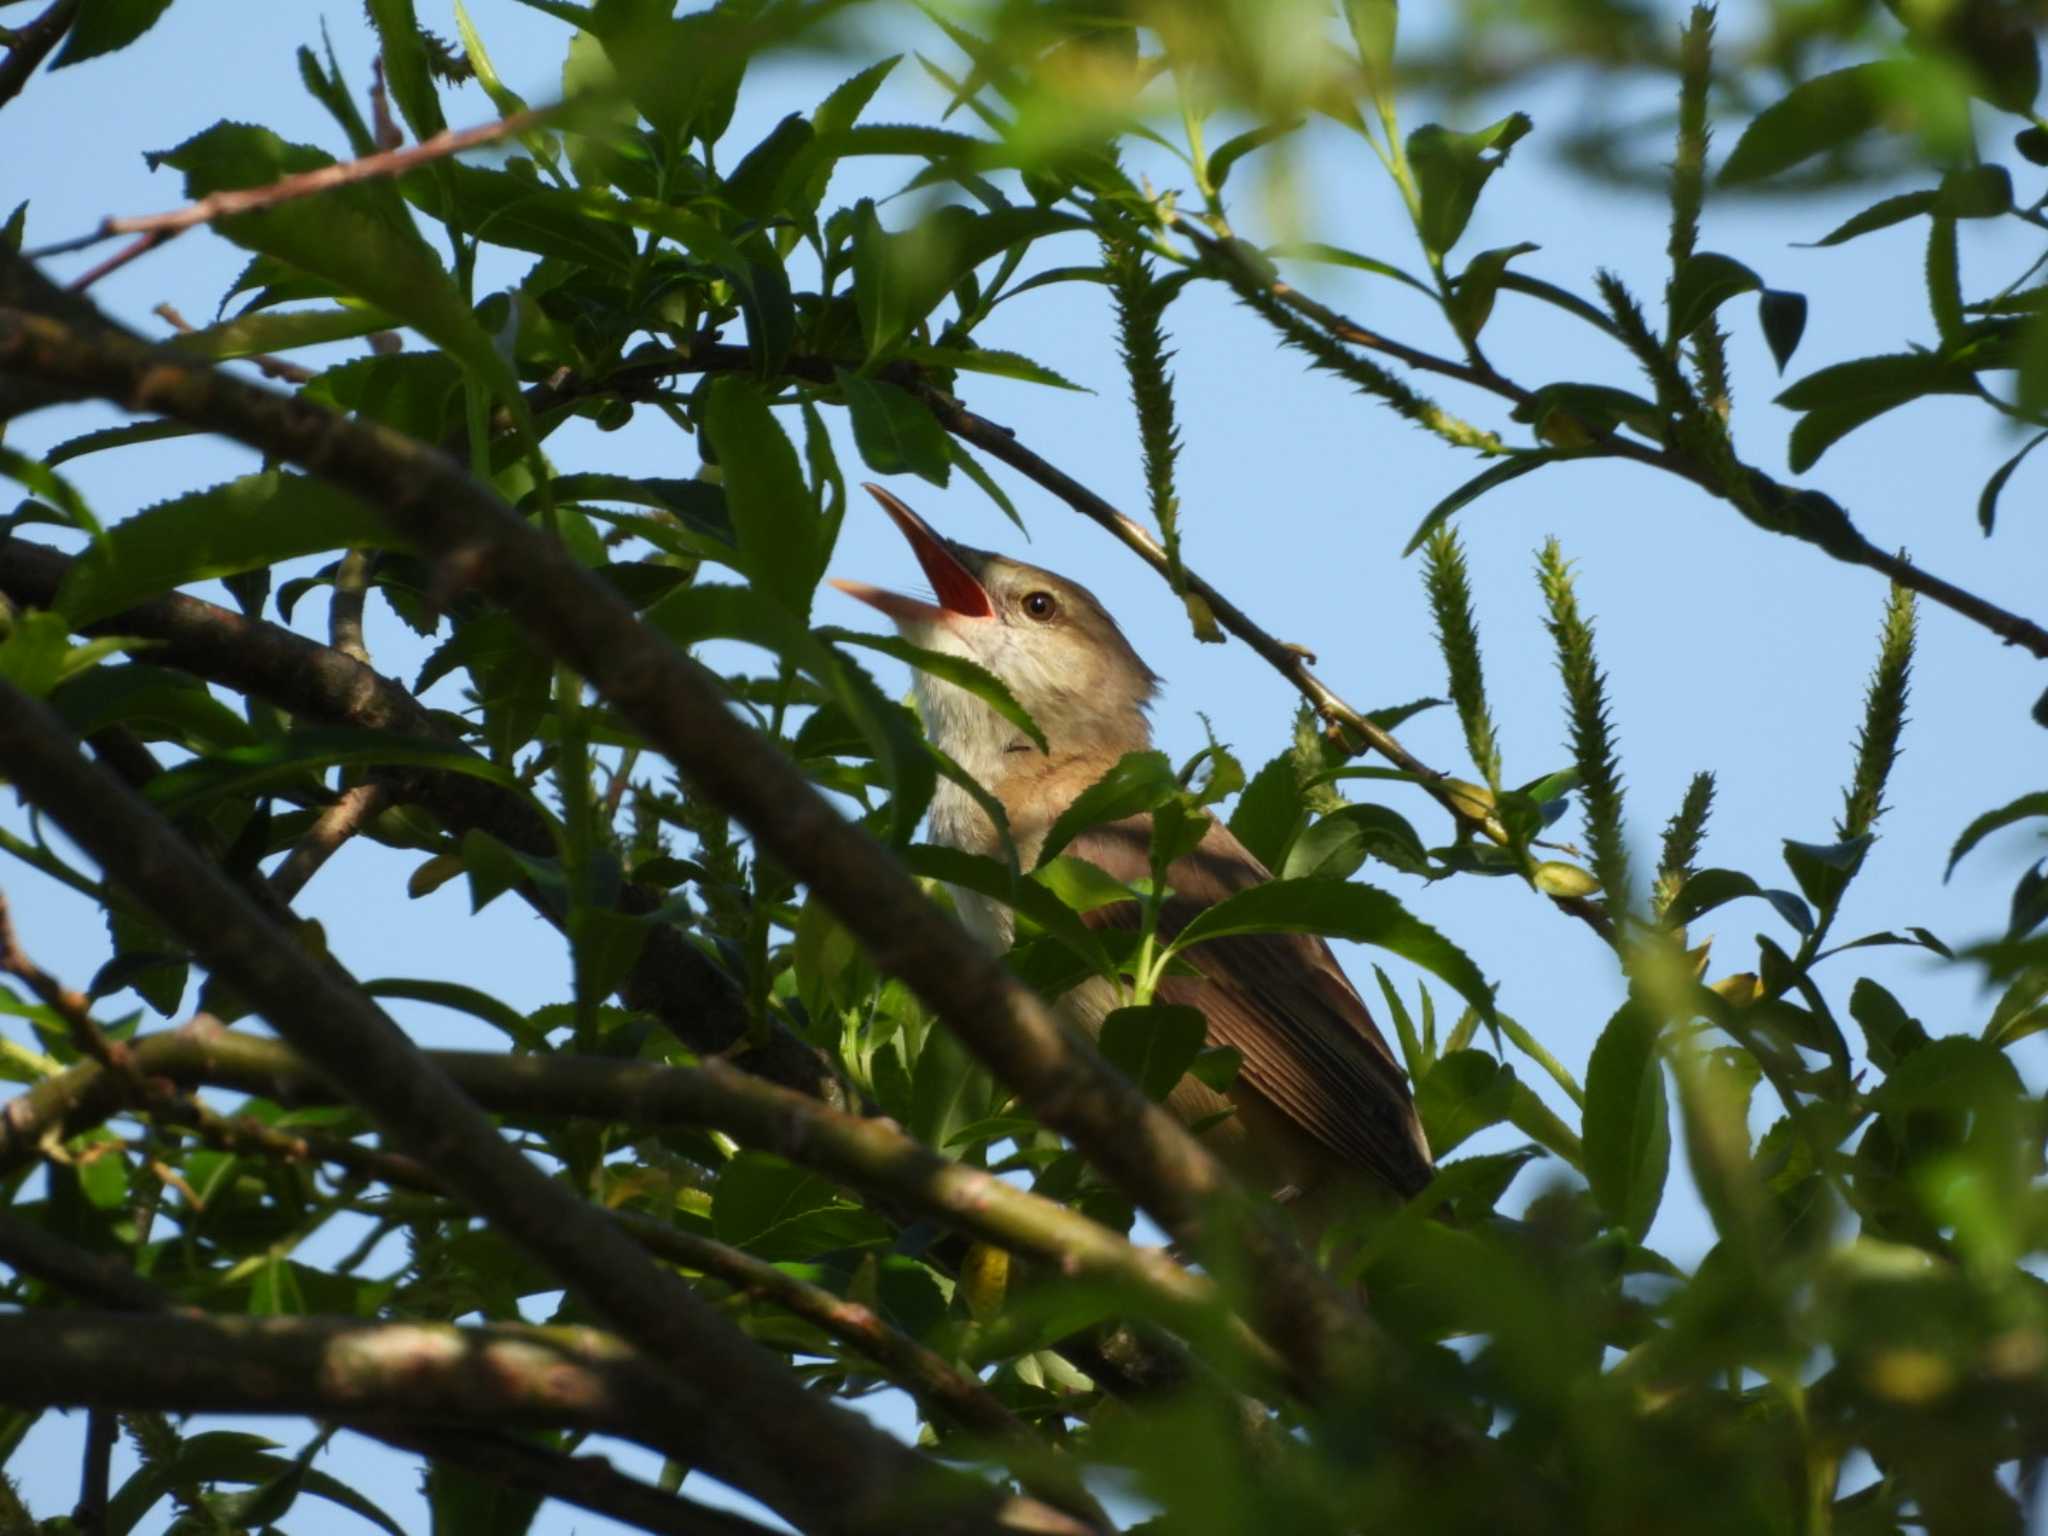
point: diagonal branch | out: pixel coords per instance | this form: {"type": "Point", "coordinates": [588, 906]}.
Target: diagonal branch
{"type": "Point", "coordinates": [580, 1480]}
{"type": "Point", "coordinates": [678, 708]}
{"type": "Point", "coordinates": [32, 44]}
{"type": "Point", "coordinates": [820, 1466]}
{"type": "Point", "coordinates": [866, 1154]}
{"type": "Point", "coordinates": [672, 979]}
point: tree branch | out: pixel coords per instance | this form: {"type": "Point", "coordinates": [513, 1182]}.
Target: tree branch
{"type": "Point", "coordinates": [672, 979]}
{"type": "Point", "coordinates": [158, 227]}
{"type": "Point", "coordinates": [581, 1480]}
{"type": "Point", "coordinates": [865, 1154]}
{"type": "Point", "coordinates": [669, 699]}
{"type": "Point", "coordinates": [820, 1466]}
{"type": "Point", "coordinates": [32, 44]}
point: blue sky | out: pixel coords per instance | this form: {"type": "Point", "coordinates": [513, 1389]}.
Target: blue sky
{"type": "Point", "coordinates": [1726, 649]}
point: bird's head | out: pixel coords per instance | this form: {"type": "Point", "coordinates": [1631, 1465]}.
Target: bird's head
{"type": "Point", "coordinates": [1048, 639]}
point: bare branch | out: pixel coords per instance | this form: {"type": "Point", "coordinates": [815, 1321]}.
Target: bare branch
{"type": "Point", "coordinates": [336, 825]}
{"type": "Point", "coordinates": [32, 44]}
{"type": "Point", "coordinates": [157, 227]}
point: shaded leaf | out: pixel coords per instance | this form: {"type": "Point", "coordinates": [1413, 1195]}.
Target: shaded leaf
{"type": "Point", "coordinates": [1154, 1045]}
{"type": "Point", "coordinates": [894, 432]}
{"type": "Point", "coordinates": [1627, 1121]}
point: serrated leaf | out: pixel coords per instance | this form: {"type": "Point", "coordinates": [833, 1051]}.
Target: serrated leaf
{"type": "Point", "coordinates": [962, 673]}
{"type": "Point", "coordinates": [1338, 843]}
{"type": "Point", "coordinates": [103, 26]}
{"type": "Point", "coordinates": [899, 279]}
{"type": "Point", "coordinates": [1880, 215]}
{"type": "Point", "coordinates": [243, 525]}
{"type": "Point", "coordinates": [357, 236]}
{"type": "Point", "coordinates": [246, 770]}
{"type": "Point", "coordinates": [1140, 782]}
{"type": "Point", "coordinates": [894, 432]}
{"type": "Point", "coordinates": [765, 494]}
{"type": "Point", "coordinates": [1461, 1094]}
{"type": "Point", "coordinates": [1342, 909]}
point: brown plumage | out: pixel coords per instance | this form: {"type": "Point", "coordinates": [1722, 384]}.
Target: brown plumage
{"type": "Point", "coordinates": [1323, 1115]}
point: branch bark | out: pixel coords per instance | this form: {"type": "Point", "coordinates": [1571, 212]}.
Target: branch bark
{"type": "Point", "coordinates": [32, 44]}
{"type": "Point", "coordinates": [673, 979]}
{"type": "Point", "coordinates": [864, 1154]}
{"type": "Point", "coordinates": [677, 707]}
{"type": "Point", "coordinates": [820, 1466]}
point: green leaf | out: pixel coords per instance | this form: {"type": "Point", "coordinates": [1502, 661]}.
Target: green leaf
{"type": "Point", "coordinates": [1451, 168]}
{"type": "Point", "coordinates": [990, 360]}
{"type": "Point", "coordinates": [1975, 192]}
{"type": "Point", "coordinates": [893, 430]}
{"type": "Point", "coordinates": [237, 771]}
{"type": "Point", "coordinates": [1374, 24]}
{"type": "Point", "coordinates": [1987, 500]}
{"type": "Point", "coordinates": [1154, 1046]}
{"type": "Point", "coordinates": [899, 279]}
{"type": "Point", "coordinates": [523, 215]}
{"type": "Point", "coordinates": [493, 1011]}
{"type": "Point", "coordinates": [2025, 807]}
{"type": "Point", "coordinates": [1890, 1034]}
{"type": "Point", "coordinates": [243, 525]}
{"type": "Point", "coordinates": [102, 26]}
{"type": "Point", "coordinates": [357, 236]}
{"type": "Point", "coordinates": [54, 489]}
{"type": "Point", "coordinates": [962, 673]}
{"type": "Point", "coordinates": [1041, 897]}
{"type": "Point", "coordinates": [1270, 811]}
{"type": "Point", "coordinates": [281, 331]}
{"type": "Point", "coordinates": [1140, 782]}
{"type": "Point", "coordinates": [765, 493]}
{"type": "Point", "coordinates": [1337, 256]}
{"type": "Point", "coordinates": [1707, 889]}
{"type": "Point", "coordinates": [1627, 1121]}
{"type": "Point", "coordinates": [693, 614]}
{"type": "Point", "coordinates": [1880, 215]}
{"type": "Point", "coordinates": [1824, 870]}
{"type": "Point", "coordinates": [1462, 1094]}
{"type": "Point", "coordinates": [1844, 396]}
{"type": "Point", "coordinates": [1233, 150]}
{"type": "Point", "coordinates": [151, 701]}
{"type": "Point", "coordinates": [406, 67]}
{"type": "Point", "coordinates": [1783, 316]}
{"type": "Point", "coordinates": [779, 1212]}
{"type": "Point", "coordinates": [1479, 284]}
{"type": "Point", "coordinates": [1703, 283]}
{"type": "Point", "coordinates": [1335, 846]}
{"type": "Point", "coordinates": [1342, 909]}
{"type": "Point", "coordinates": [36, 653]}
{"type": "Point", "coordinates": [1511, 468]}
{"type": "Point", "coordinates": [115, 437]}
{"type": "Point", "coordinates": [1824, 113]}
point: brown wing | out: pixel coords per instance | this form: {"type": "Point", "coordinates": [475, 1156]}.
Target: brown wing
{"type": "Point", "coordinates": [1309, 1045]}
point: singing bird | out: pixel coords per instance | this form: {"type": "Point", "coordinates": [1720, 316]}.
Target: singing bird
{"type": "Point", "coordinates": [1323, 1115]}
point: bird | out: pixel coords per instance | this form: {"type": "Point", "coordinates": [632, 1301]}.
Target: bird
{"type": "Point", "coordinates": [1319, 1116]}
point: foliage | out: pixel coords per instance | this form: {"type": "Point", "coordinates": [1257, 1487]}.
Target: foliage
{"type": "Point", "coordinates": [1861, 1349]}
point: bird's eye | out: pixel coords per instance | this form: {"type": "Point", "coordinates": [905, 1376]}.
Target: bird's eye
{"type": "Point", "coordinates": [1041, 605]}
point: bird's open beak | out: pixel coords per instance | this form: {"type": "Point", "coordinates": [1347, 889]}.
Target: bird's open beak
{"type": "Point", "coordinates": [960, 592]}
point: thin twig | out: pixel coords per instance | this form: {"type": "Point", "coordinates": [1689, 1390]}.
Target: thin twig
{"type": "Point", "coordinates": [234, 200]}
{"type": "Point", "coordinates": [270, 367]}
{"type": "Point", "coordinates": [142, 245]}
{"type": "Point", "coordinates": [74, 1008]}
{"type": "Point", "coordinates": [32, 44]}
{"type": "Point", "coordinates": [354, 809]}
